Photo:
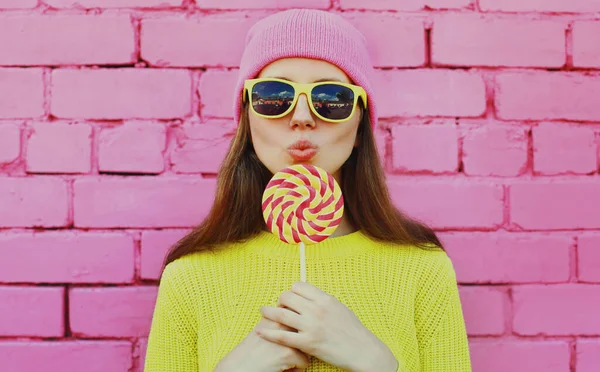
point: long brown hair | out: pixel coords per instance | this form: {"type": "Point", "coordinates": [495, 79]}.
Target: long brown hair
{"type": "Point", "coordinates": [236, 213]}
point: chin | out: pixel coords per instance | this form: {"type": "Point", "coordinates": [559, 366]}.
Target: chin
{"type": "Point", "coordinates": [316, 164]}
{"type": "Point", "coordinates": [306, 162]}
{"type": "Point", "coordinates": [294, 162]}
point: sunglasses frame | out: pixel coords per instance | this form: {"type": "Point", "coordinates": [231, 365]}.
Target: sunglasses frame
{"type": "Point", "coordinates": [307, 88]}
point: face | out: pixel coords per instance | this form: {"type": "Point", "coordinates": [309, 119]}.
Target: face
{"type": "Point", "coordinates": [272, 138]}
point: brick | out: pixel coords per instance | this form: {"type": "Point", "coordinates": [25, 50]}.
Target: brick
{"type": "Point", "coordinates": [561, 309]}
{"type": "Point", "coordinates": [404, 5]}
{"type": "Point", "coordinates": [140, 351]}
{"type": "Point", "coordinates": [31, 311]}
{"type": "Point", "coordinates": [262, 4]}
{"type": "Point", "coordinates": [382, 4]}
{"type": "Point", "coordinates": [18, 4]}
{"type": "Point", "coordinates": [484, 310]}
{"type": "Point", "coordinates": [75, 39]}
{"type": "Point", "coordinates": [142, 202]}
{"type": "Point", "coordinates": [572, 204]}
{"type": "Point", "coordinates": [520, 356]}
{"type": "Point", "coordinates": [155, 246]}
{"type": "Point", "coordinates": [450, 203]}
{"type": "Point", "coordinates": [121, 93]}
{"type": "Point", "coordinates": [21, 93]}
{"type": "Point", "coordinates": [201, 147]}
{"type": "Point", "coordinates": [59, 148]}
{"type": "Point", "coordinates": [384, 44]}
{"type": "Point", "coordinates": [430, 148]}
{"type": "Point", "coordinates": [564, 149]}
{"type": "Point", "coordinates": [10, 143]}
{"type": "Point", "coordinates": [495, 151]}
{"type": "Point", "coordinates": [133, 148]}
{"type": "Point", "coordinates": [216, 93]}
{"type": "Point", "coordinates": [588, 258]}
{"type": "Point", "coordinates": [539, 6]}
{"type": "Point", "coordinates": [75, 257]}
{"type": "Point", "coordinates": [89, 356]}
{"type": "Point", "coordinates": [429, 92]}
{"type": "Point", "coordinates": [508, 257]}
{"type": "Point", "coordinates": [558, 95]}
{"type": "Point", "coordinates": [448, 4]}
{"type": "Point", "coordinates": [588, 355]}
{"type": "Point", "coordinates": [111, 312]}
{"type": "Point", "coordinates": [33, 202]}
{"type": "Point", "coordinates": [472, 40]}
{"type": "Point", "coordinates": [88, 4]}
{"type": "Point", "coordinates": [166, 41]}
{"type": "Point", "coordinates": [586, 44]}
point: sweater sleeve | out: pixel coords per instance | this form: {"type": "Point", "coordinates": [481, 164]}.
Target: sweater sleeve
{"type": "Point", "coordinates": [172, 342]}
{"type": "Point", "coordinates": [443, 343]}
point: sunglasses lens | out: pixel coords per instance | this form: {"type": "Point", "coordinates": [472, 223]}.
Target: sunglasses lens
{"type": "Point", "coordinates": [333, 101]}
{"type": "Point", "coordinates": [272, 98]}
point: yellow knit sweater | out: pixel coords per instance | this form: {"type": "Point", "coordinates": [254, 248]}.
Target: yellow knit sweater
{"type": "Point", "coordinates": [408, 297]}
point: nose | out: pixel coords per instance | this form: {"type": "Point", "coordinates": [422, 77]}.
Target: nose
{"type": "Point", "coordinates": [302, 116]}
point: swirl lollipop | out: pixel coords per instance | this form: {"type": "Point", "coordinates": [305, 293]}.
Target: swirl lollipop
{"type": "Point", "coordinates": [302, 204]}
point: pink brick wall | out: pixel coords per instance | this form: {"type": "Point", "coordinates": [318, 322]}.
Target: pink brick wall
{"type": "Point", "coordinates": [115, 115]}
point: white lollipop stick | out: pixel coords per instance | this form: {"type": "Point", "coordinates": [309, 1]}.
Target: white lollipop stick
{"type": "Point", "coordinates": [302, 262]}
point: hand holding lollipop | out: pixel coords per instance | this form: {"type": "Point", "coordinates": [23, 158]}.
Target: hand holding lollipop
{"type": "Point", "coordinates": [302, 204]}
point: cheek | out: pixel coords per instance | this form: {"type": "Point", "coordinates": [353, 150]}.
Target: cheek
{"type": "Point", "coordinates": [267, 143]}
{"type": "Point", "coordinates": [264, 135]}
{"type": "Point", "coordinates": [347, 134]}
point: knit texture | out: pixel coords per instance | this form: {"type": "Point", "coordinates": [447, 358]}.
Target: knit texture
{"type": "Point", "coordinates": [407, 296]}
{"type": "Point", "coordinates": [307, 33]}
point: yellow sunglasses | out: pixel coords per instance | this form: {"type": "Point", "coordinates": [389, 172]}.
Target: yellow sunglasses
{"type": "Point", "coordinates": [332, 101]}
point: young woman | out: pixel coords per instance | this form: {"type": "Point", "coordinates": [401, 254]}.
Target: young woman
{"type": "Point", "coordinates": [381, 293]}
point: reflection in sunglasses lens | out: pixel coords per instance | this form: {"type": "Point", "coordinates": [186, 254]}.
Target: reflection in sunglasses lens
{"type": "Point", "coordinates": [333, 101]}
{"type": "Point", "coordinates": [272, 97]}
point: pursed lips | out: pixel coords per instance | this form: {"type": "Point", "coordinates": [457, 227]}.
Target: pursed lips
{"type": "Point", "coordinates": [303, 150]}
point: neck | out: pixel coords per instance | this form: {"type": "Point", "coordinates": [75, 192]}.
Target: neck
{"type": "Point", "coordinates": [268, 243]}
{"type": "Point", "coordinates": [344, 228]}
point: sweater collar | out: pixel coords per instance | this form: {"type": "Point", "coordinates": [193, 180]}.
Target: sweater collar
{"type": "Point", "coordinates": [355, 243]}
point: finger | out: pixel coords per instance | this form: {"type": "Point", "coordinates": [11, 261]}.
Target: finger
{"type": "Point", "coordinates": [308, 291]}
{"type": "Point", "coordinates": [294, 302]}
{"type": "Point", "coordinates": [271, 324]}
{"type": "Point", "coordinates": [283, 316]}
{"type": "Point", "coordinates": [284, 338]}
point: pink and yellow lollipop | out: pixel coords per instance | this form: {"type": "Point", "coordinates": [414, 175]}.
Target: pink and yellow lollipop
{"type": "Point", "coordinates": [302, 204]}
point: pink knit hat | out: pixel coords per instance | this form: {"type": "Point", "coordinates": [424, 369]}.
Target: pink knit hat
{"type": "Point", "coordinates": [306, 33]}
